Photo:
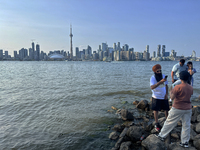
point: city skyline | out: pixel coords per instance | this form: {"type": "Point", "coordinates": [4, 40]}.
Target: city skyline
{"type": "Point", "coordinates": [136, 23]}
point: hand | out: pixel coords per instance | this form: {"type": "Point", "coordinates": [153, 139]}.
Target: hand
{"type": "Point", "coordinates": [166, 96]}
{"type": "Point", "coordinates": [163, 80]}
{"type": "Point", "coordinates": [172, 80]}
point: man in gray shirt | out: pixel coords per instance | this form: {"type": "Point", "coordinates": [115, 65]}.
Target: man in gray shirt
{"type": "Point", "coordinates": [177, 68]}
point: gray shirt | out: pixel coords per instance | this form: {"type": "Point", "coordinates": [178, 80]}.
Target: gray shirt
{"type": "Point", "coordinates": [177, 69]}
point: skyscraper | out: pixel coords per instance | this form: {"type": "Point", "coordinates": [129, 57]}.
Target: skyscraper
{"type": "Point", "coordinates": [163, 50]}
{"type": "Point", "coordinates": [37, 52]}
{"type": "Point", "coordinates": [114, 47]}
{"type": "Point", "coordinates": [158, 51]}
{"type": "Point", "coordinates": [118, 46]}
{"type": "Point", "coordinates": [33, 49]}
{"type": "Point", "coordinates": [104, 47]}
{"type": "Point", "coordinates": [71, 48]}
{"type": "Point", "coordinates": [126, 47]}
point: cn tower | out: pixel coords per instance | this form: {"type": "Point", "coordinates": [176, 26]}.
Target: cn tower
{"type": "Point", "coordinates": [71, 48]}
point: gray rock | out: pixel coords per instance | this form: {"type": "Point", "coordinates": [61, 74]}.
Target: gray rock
{"type": "Point", "coordinates": [118, 128]}
{"type": "Point", "coordinates": [196, 142]}
{"type": "Point", "coordinates": [126, 115]}
{"type": "Point", "coordinates": [161, 121]}
{"type": "Point", "coordinates": [114, 135]}
{"type": "Point", "coordinates": [123, 132]}
{"type": "Point", "coordinates": [176, 146]}
{"type": "Point", "coordinates": [117, 145]}
{"type": "Point", "coordinates": [198, 118]}
{"type": "Point", "coordinates": [193, 134]}
{"type": "Point", "coordinates": [142, 104]}
{"type": "Point", "coordinates": [195, 113]}
{"type": "Point", "coordinates": [135, 102]}
{"type": "Point", "coordinates": [134, 133]}
{"type": "Point", "coordinates": [161, 114]}
{"type": "Point", "coordinates": [153, 143]}
{"type": "Point", "coordinates": [126, 145]}
{"type": "Point", "coordinates": [197, 129]}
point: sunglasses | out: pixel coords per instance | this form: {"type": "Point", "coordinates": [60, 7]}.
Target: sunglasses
{"type": "Point", "coordinates": [158, 71]}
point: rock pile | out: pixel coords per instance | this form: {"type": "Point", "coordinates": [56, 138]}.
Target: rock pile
{"type": "Point", "coordinates": [137, 133]}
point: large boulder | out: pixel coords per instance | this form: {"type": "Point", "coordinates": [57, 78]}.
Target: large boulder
{"type": "Point", "coordinates": [125, 146]}
{"type": "Point", "coordinates": [142, 104]}
{"type": "Point", "coordinates": [118, 128]}
{"type": "Point", "coordinates": [135, 102]}
{"type": "Point", "coordinates": [197, 128]}
{"type": "Point", "coordinates": [176, 146]}
{"type": "Point", "coordinates": [153, 143]}
{"type": "Point", "coordinates": [198, 118]}
{"type": "Point", "coordinates": [134, 133]}
{"type": "Point", "coordinates": [126, 115]}
{"type": "Point", "coordinates": [196, 142]}
{"type": "Point", "coordinates": [195, 113]}
{"type": "Point", "coordinates": [114, 135]}
{"type": "Point", "coordinates": [193, 134]}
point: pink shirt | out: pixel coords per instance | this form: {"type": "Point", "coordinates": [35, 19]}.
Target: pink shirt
{"type": "Point", "coordinates": [182, 93]}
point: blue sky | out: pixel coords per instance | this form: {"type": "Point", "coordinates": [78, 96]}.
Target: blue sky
{"type": "Point", "coordinates": [174, 23]}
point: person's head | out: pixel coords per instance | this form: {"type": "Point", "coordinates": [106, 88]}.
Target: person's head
{"type": "Point", "coordinates": [158, 72]}
{"type": "Point", "coordinates": [189, 64]}
{"type": "Point", "coordinates": [157, 68]}
{"type": "Point", "coordinates": [182, 61]}
{"type": "Point", "coordinates": [184, 76]}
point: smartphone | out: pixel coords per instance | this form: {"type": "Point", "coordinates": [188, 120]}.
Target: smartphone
{"type": "Point", "coordinates": [166, 77]}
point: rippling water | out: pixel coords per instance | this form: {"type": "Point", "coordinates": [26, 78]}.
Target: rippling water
{"type": "Point", "coordinates": [63, 105]}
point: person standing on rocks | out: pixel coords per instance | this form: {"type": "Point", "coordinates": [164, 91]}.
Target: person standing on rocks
{"type": "Point", "coordinates": [181, 109]}
{"type": "Point", "coordinates": [191, 71]}
{"type": "Point", "coordinates": [159, 87]}
{"type": "Point", "coordinates": [177, 68]}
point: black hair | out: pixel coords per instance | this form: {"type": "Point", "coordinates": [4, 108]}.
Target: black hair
{"type": "Point", "coordinates": [189, 63]}
{"type": "Point", "coordinates": [182, 61]}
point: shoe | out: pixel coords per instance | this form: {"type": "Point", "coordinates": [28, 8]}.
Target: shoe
{"type": "Point", "coordinates": [158, 127]}
{"type": "Point", "coordinates": [184, 144]}
{"type": "Point", "coordinates": [159, 137]}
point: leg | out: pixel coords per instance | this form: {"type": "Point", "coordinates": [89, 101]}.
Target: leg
{"type": "Point", "coordinates": [171, 122]}
{"type": "Point", "coordinates": [156, 116]}
{"type": "Point", "coordinates": [166, 114]}
{"type": "Point", "coordinates": [185, 132]}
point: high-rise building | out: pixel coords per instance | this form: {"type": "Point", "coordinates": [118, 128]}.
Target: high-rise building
{"type": "Point", "coordinates": [77, 53]}
{"type": "Point", "coordinates": [163, 50]}
{"type": "Point", "coordinates": [147, 48]}
{"type": "Point", "coordinates": [15, 54]}
{"type": "Point", "coordinates": [147, 56]}
{"type": "Point", "coordinates": [118, 46]}
{"type": "Point", "coordinates": [158, 51]}
{"type": "Point", "coordinates": [173, 53]}
{"type": "Point", "coordinates": [114, 47]}
{"type": "Point", "coordinates": [154, 54]}
{"type": "Point", "coordinates": [6, 54]}
{"type": "Point", "coordinates": [126, 47]}
{"type": "Point", "coordinates": [1, 54]}
{"type": "Point", "coordinates": [104, 47]}
{"type": "Point", "coordinates": [37, 52]}
{"type": "Point", "coordinates": [71, 47]}
{"type": "Point", "coordinates": [193, 54]}
{"type": "Point", "coordinates": [33, 47]}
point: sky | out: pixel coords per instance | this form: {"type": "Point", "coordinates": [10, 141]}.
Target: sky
{"type": "Point", "coordinates": [174, 23]}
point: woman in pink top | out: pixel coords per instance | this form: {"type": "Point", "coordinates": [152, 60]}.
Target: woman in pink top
{"type": "Point", "coordinates": [181, 109]}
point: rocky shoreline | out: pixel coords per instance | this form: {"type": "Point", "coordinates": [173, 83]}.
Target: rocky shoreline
{"type": "Point", "coordinates": [137, 132]}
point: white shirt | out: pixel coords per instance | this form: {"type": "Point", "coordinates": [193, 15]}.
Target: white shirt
{"type": "Point", "coordinates": [160, 91]}
{"type": "Point", "coordinates": [177, 69]}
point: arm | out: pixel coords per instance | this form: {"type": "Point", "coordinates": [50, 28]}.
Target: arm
{"type": "Point", "coordinates": [172, 95]}
{"type": "Point", "coordinates": [158, 83]}
{"type": "Point", "coordinates": [172, 75]}
{"type": "Point", "coordinates": [166, 95]}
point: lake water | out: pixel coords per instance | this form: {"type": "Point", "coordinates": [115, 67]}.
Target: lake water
{"type": "Point", "coordinates": [60, 105]}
